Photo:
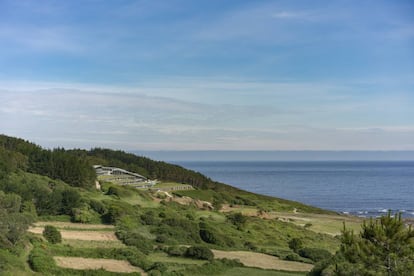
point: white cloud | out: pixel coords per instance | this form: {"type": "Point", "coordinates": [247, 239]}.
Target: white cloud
{"type": "Point", "coordinates": [300, 15]}
{"type": "Point", "coordinates": [207, 114]}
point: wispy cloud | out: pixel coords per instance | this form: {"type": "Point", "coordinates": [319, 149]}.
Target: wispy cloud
{"type": "Point", "coordinates": [295, 15]}
{"type": "Point", "coordinates": [140, 119]}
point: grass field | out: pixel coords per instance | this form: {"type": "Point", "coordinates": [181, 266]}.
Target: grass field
{"type": "Point", "coordinates": [75, 226]}
{"type": "Point", "coordinates": [80, 237]}
{"type": "Point", "coordinates": [94, 244]}
{"type": "Point", "coordinates": [164, 258]}
{"type": "Point", "coordinates": [248, 271]}
{"type": "Point", "coordinates": [92, 263]}
{"type": "Point", "coordinates": [326, 224]}
{"type": "Point", "coordinates": [132, 196]}
{"type": "Point", "coordinates": [330, 224]}
{"type": "Point", "coordinates": [264, 261]}
{"type": "Point", "coordinates": [267, 231]}
{"type": "Point", "coordinates": [209, 214]}
{"type": "Point", "coordinates": [168, 185]}
{"type": "Point", "coordinates": [85, 235]}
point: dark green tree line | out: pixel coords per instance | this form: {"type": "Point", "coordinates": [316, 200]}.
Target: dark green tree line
{"type": "Point", "coordinates": [58, 163]}
{"type": "Point", "coordinates": [385, 246]}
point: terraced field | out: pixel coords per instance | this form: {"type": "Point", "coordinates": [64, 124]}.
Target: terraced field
{"type": "Point", "coordinates": [91, 263]}
{"type": "Point", "coordinates": [263, 261]}
{"type": "Point", "coordinates": [84, 235]}
{"type": "Point", "coordinates": [88, 236]}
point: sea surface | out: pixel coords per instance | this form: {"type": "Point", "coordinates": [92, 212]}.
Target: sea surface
{"type": "Point", "coordinates": [361, 188]}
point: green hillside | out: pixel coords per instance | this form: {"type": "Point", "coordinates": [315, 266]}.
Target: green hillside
{"type": "Point", "coordinates": [145, 231]}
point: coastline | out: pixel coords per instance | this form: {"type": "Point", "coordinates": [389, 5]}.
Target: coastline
{"type": "Point", "coordinates": [359, 188]}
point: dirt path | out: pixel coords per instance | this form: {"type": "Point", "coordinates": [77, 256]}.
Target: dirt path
{"type": "Point", "coordinates": [81, 235]}
{"type": "Point", "coordinates": [262, 260]}
{"type": "Point", "coordinates": [89, 263]}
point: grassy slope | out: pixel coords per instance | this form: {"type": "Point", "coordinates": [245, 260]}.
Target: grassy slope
{"type": "Point", "coordinates": [269, 236]}
{"type": "Point", "coordinates": [266, 235]}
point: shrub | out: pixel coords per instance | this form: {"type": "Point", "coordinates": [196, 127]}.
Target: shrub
{"type": "Point", "coordinates": [135, 239]}
{"type": "Point", "coordinates": [161, 238]}
{"type": "Point", "coordinates": [149, 218]}
{"type": "Point", "coordinates": [189, 216]}
{"type": "Point", "coordinates": [119, 191]}
{"type": "Point", "coordinates": [307, 225]}
{"type": "Point", "coordinates": [157, 266]}
{"type": "Point", "coordinates": [215, 267]}
{"type": "Point", "coordinates": [208, 236]}
{"type": "Point", "coordinates": [40, 261]}
{"type": "Point", "coordinates": [9, 261]}
{"type": "Point", "coordinates": [295, 244]}
{"type": "Point", "coordinates": [179, 229]}
{"type": "Point", "coordinates": [250, 245]}
{"type": "Point", "coordinates": [292, 257]}
{"type": "Point", "coordinates": [176, 251]}
{"type": "Point", "coordinates": [51, 234]}
{"type": "Point", "coordinates": [83, 215]}
{"type": "Point", "coordinates": [199, 252]}
{"type": "Point", "coordinates": [98, 206]}
{"type": "Point", "coordinates": [237, 219]}
{"type": "Point", "coordinates": [315, 254]}
{"type": "Point", "coordinates": [118, 210]}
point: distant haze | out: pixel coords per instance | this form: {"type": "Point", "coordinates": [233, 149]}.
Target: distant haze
{"type": "Point", "coordinates": [278, 155]}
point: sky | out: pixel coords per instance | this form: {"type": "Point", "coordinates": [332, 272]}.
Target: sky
{"type": "Point", "coordinates": [208, 75]}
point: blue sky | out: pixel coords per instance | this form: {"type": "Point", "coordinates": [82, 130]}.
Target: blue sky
{"type": "Point", "coordinates": [202, 75]}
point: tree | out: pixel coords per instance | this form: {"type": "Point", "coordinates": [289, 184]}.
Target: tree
{"type": "Point", "coordinates": [295, 244]}
{"type": "Point", "coordinates": [237, 219]}
{"type": "Point", "coordinates": [51, 234]}
{"type": "Point", "coordinates": [385, 246]}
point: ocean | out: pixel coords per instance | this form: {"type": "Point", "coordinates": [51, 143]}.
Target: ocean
{"type": "Point", "coordinates": [362, 188]}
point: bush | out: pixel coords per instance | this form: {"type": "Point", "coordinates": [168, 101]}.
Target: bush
{"type": "Point", "coordinates": [315, 254]}
{"type": "Point", "coordinates": [98, 206]}
{"type": "Point", "coordinates": [215, 267]}
{"type": "Point", "coordinates": [157, 266]}
{"type": "Point", "coordinates": [307, 225]}
{"type": "Point", "coordinates": [149, 218]}
{"type": "Point", "coordinates": [295, 244]}
{"type": "Point", "coordinates": [292, 257]}
{"type": "Point", "coordinates": [237, 219]}
{"type": "Point", "coordinates": [161, 238]}
{"type": "Point", "coordinates": [250, 246]}
{"type": "Point", "coordinates": [179, 229]}
{"type": "Point", "coordinates": [51, 234]}
{"type": "Point", "coordinates": [118, 191]}
{"type": "Point", "coordinates": [9, 261]}
{"type": "Point", "coordinates": [199, 252]}
{"type": "Point", "coordinates": [40, 261]}
{"type": "Point", "coordinates": [135, 239]}
{"type": "Point", "coordinates": [83, 215]}
{"type": "Point", "coordinates": [176, 251]}
{"type": "Point", "coordinates": [208, 236]}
